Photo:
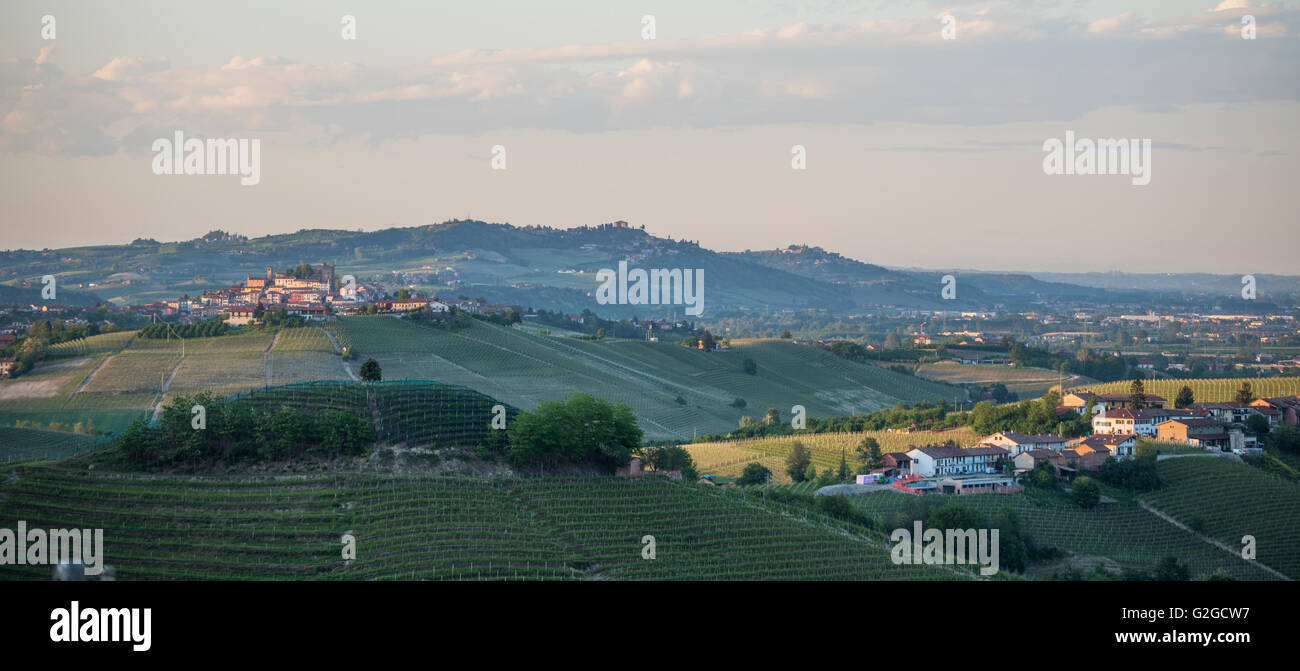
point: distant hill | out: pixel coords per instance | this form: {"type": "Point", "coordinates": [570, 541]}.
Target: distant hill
{"type": "Point", "coordinates": [556, 269]}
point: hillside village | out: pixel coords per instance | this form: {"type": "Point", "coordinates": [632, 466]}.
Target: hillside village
{"type": "Point", "coordinates": [1214, 427]}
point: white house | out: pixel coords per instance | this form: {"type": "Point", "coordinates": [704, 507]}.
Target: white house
{"type": "Point", "coordinates": [933, 460]}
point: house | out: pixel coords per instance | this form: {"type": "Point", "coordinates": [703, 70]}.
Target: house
{"type": "Point", "coordinates": [933, 460]}
{"type": "Point", "coordinates": [1016, 443]}
{"type": "Point", "coordinates": [1202, 431]}
{"type": "Point", "coordinates": [1288, 407]}
{"type": "Point", "coordinates": [1230, 412]}
{"type": "Point", "coordinates": [6, 365]}
{"type": "Point", "coordinates": [1026, 461]}
{"type": "Point", "coordinates": [1115, 444]}
{"type": "Point", "coordinates": [238, 316]}
{"type": "Point", "coordinates": [1136, 422]}
{"type": "Point", "coordinates": [1112, 401]}
{"type": "Point", "coordinates": [7, 339]}
{"type": "Point", "coordinates": [894, 463]}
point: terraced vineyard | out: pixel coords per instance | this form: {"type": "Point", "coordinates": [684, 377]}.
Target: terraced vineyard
{"type": "Point", "coordinates": [728, 458]}
{"type": "Point", "coordinates": [1208, 391]}
{"type": "Point", "coordinates": [17, 444]}
{"type": "Point", "coordinates": [1228, 500]}
{"type": "Point", "coordinates": [290, 527]}
{"type": "Point", "coordinates": [96, 344]}
{"type": "Point", "coordinates": [1121, 531]}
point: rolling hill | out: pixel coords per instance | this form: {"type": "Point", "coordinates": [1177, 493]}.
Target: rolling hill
{"type": "Point", "coordinates": [113, 379]}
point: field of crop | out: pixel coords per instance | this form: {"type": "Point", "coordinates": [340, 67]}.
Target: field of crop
{"type": "Point", "coordinates": [1121, 531]}
{"type": "Point", "coordinates": [728, 458]}
{"type": "Point", "coordinates": [96, 344]}
{"type": "Point", "coordinates": [1228, 500]}
{"type": "Point", "coordinates": [290, 527]}
{"type": "Point", "coordinates": [524, 369]}
{"type": "Point", "coordinates": [1205, 390]}
{"type": "Point", "coordinates": [17, 444]}
{"type": "Point", "coordinates": [1026, 382]}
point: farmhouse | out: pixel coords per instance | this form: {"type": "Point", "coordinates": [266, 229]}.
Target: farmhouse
{"type": "Point", "coordinates": [894, 463]}
{"type": "Point", "coordinates": [1202, 431]}
{"type": "Point", "coordinates": [1136, 422]}
{"type": "Point", "coordinates": [935, 460]}
{"type": "Point", "coordinates": [1016, 443]}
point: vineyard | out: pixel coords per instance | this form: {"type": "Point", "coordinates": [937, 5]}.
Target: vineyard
{"type": "Point", "coordinates": [1023, 381]}
{"type": "Point", "coordinates": [728, 458]}
{"type": "Point", "coordinates": [17, 443]}
{"type": "Point", "coordinates": [437, 528]}
{"type": "Point", "coordinates": [524, 369]}
{"type": "Point", "coordinates": [1205, 390]}
{"type": "Point", "coordinates": [414, 413]}
{"type": "Point", "coordinates": [1228, 500]}
{"type": "Point", "coordinates": [1121, 531]}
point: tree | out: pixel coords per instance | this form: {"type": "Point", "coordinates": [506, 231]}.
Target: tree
{"type": "Point", "coordinates": [843, 473]}
{"type": "Point", "coordinates": [673, 458]}
{"type": "Point", "coordinates": [810, 475]}
{"type": "Point", "coordinates": [1245, 394]}
{"type": "Point", "coordinates": [1086, 491]}
{"type": "Point", "coordinates": [600, 334]}
{"type": "Point", "coordinates": [370, 371]}
{"type": "Point", "coordinates": [1185, 398]}
{"type": "Point", "coordinates": [754, 474]}
{"type": "Point", "coordinates": [785, 335]}
{"type": "Point", "coordinates": [580, 429]}
{"type": "Point", "coordinates": [1286, 438]}
{"type": "Point", "coordinates": [1137, 394]}
{"type": "Point", "coordinates": [738, 403]}
{"type": "Point", "coordinates": [892, 341]}
{"type": "Point", "coordinates": [750, 367]}
{"type": "Point", "coordinates": [402, 294]}
{"type": "Point", "coordinates": [1258, 425]}
{"type": "Point", "coordinates": [868, 452]}
{"type": "Point", "coordinates": [771, 417]}
{"type": "Point", "coordinates": [798, 462]}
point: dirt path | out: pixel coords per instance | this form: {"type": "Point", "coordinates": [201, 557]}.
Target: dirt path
{"type": "Point", "coordinates": [157, 409]}
{"type": "Point", "coordinates": [339, 350]}
{"type": "Point", "coordinates": [1212, 541]}
{"type": "Point", "coordinates": [90, 377]}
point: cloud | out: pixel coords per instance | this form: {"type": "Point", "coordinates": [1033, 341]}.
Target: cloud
{"type": "Point", "coordinates": [1005, 66]}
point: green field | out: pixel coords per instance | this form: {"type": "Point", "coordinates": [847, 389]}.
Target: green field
{"type": "Point", "coordinates": [1209, 391]}
{"type": "Point", "coordinates": [1025, 382]}
{"type": "Point", "coordinates": [1228, 500]}
{"type": "Point", "coordinates": [447, 528]}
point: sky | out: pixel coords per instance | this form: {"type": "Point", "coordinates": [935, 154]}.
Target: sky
{"type": "Point", "coordinates": [918, 150]}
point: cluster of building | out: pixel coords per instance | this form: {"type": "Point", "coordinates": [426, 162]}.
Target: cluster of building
{"type": "Point", "coordinates": [1116, 428]}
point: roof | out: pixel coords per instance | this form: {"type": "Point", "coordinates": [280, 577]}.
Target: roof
{"type": "Point", "coordinates": [1031, 438]}
{"type": "Point", "coordinates": [1125, 397]}
{"type": "Point", "coordinates": [1148, 413]}
{"type": "Point", "coordinates": [1196, 421]}
{"type": "Point", "coordinates": [1220, 405]}
{"type": "Point", "coordinates": [949, 452]}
